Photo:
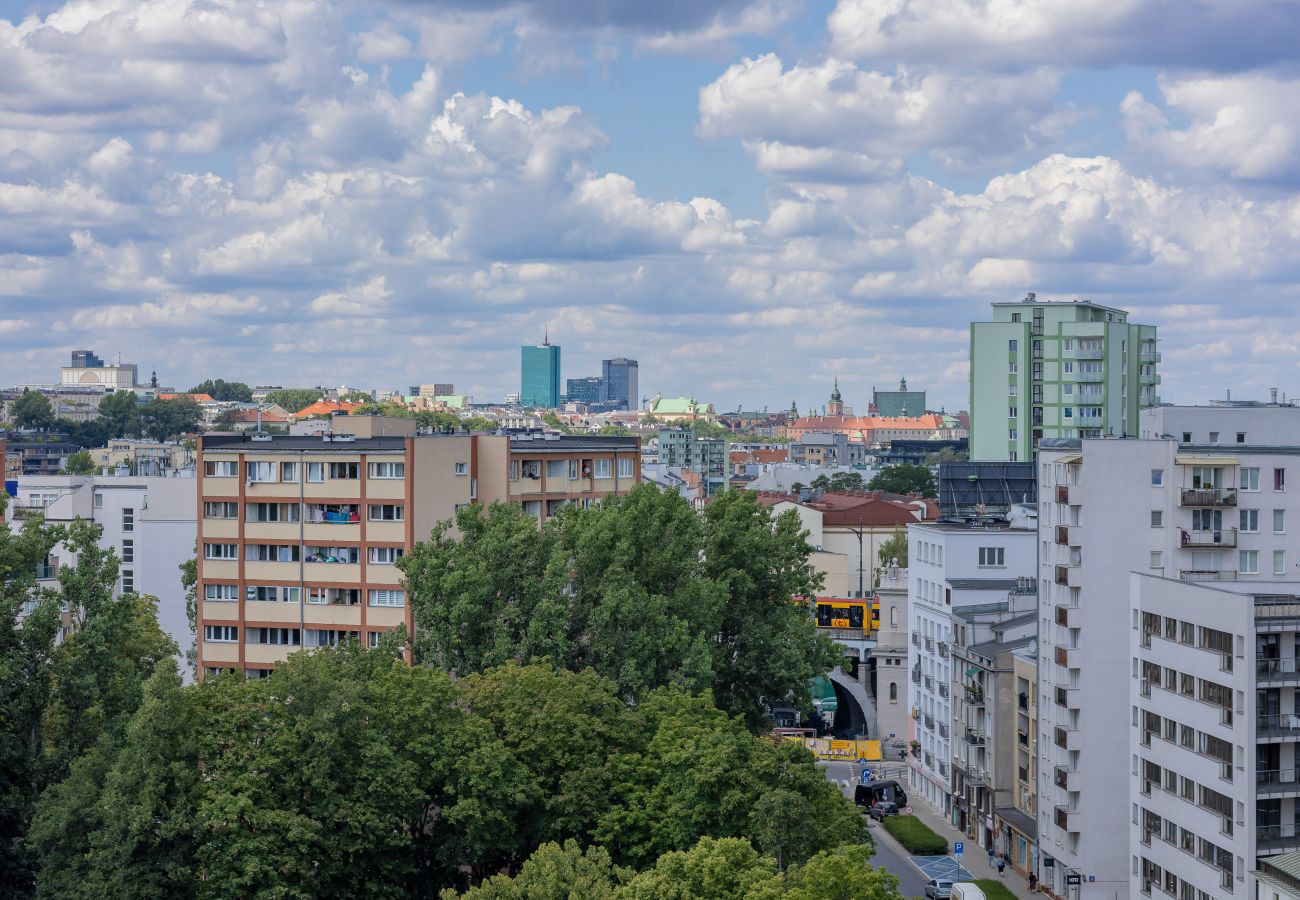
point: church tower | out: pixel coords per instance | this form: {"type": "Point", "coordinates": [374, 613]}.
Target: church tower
{"type": "Point", "coordinates": [836, 406]}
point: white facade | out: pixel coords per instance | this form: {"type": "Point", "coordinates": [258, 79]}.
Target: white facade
{"type": "Point", "coordinates": [149, 521]}
{"type": "Point", "coordinates": [1162, 506]}
{"type": "Point", "coordinates": [952, 566]}
{"type": "Point", "coordinates": [890, 654]}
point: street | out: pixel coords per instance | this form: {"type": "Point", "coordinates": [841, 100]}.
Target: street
{"type": "Point", "coordinates": [889, 855]}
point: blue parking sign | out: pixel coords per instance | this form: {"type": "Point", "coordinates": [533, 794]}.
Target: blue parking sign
{"type": "Point", "coordinates": [958, 849]}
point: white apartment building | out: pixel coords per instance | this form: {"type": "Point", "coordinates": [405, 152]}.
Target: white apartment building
{"type": "Point", "coordinates": [890, 655]}
{"type": "Point", "coordinates": [1188, 500]}
{"type": "Point", "coordinates": [953, 565]}
{"type": "Point", "coordinates": [150, 521]}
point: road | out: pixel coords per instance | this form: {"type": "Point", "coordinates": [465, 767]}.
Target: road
{"type": "Point", "coordinates": [888, 855]}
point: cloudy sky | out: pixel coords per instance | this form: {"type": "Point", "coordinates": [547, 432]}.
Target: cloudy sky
{"type": "Point", "coordinates": [749, 197]}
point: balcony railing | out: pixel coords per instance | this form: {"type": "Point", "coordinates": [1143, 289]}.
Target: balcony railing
{"type": "Point", "coordinates": [1062, 575]}
{"type": "Point", "coordinates": [1207, 497]}
{"type": "Point", "coordinates": [1088, 354]}
{"type": "Point", "coordinates": [1208, 574]}
{"type": "Point", "coordinates": [943, 689]}
{"type": "Point", "coordinates": [929, 683]}
{"type": "Point", "coordinates": [44, 571]}
{"type": "Point", "coordinates": [943, 649]}
{"type": "Point", "coordinates": [1063, 535]}
{"type": "Point", "coordinates": [975, 737]}
{"type": "Point", "coordinates": [1277, 781]}
{"type": "Point", "coordinates": [916, 639]}
{"type": "Point", "coordinates": [1061, 777]}
{"type": "Point", "coordinates": [916, 676]}
{"type": "Point", "coordinates": [26, 512]}
{"type": "Point", "coordinates": [929, 721]}
{"type": "Point", "coordinates": [1277, 837]}
{"type": "Point", "coordinates": [1284, 725]}
{"type": "Point", "coordinates": [1278, 669]}
{"type": "Point", "coordinates": [929, 643]}
{"type": "Point", "coordinates": [943, 730]}
{"type": "Point", "coordinates": [1224, 537]}
{"type": "Point", "coordinates": [974, 695]}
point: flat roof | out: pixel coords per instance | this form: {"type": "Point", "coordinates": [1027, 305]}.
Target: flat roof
{"type": "Point", "coordinates": [984, 584]}
{"type": "Point", "coordinates": [345, 443]}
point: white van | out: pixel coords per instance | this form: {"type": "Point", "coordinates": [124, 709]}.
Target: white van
{"type": "Point", "coordinates": [964, 890]}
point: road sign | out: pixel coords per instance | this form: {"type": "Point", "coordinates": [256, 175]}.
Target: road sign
{"type": "Point", "coordinates": [958, 849]}
{"type": "Point", "coordinates": [866, 775]}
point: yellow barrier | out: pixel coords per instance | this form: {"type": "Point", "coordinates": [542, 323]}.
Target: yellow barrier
{"type": "Point", "coordinates": [831, 749]}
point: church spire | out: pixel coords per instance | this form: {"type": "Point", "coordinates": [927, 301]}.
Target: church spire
{"type": "Point", "coordinates": [835, 392]}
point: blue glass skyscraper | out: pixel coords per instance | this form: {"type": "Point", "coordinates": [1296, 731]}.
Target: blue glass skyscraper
{"type": "Point", "coordinates": [539, 375]}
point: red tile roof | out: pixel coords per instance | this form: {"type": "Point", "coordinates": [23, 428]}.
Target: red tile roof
{"type": "Point", "coordinates": [197, 398]}
{"type": "Point", "coordinates": [250, 415]}
{"type": "Point", "coordinates": [325, 408]}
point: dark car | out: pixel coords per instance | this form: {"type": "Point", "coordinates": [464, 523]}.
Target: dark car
{"type": "Point", "coordinates": [868, 794]}
{"type": "Point", "coordinates": [882, 808]}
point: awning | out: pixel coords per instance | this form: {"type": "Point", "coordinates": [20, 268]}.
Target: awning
{"type": "Point", "coordinates": [972, 671]}
{"type": "Point", "coordinates": [1206, 460]}
{"type": "Point", "coordinates": [1070, 459]}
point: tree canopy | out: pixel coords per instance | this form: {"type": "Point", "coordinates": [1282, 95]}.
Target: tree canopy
{"type": "Point", "coordinates": [32, 409]}
{"type": "Point", "coordinates": [294, 399]}
{"type": "Point", "coordinates": [905, 478]}
{"type": "Point", "coordinates": [638, 588]}
{"type": "Point", "coordinates": [167, 420]}
{"type": "Point", "coordinates": [79, 463]}
{"type": "Point", "coordinates": [224, 391]}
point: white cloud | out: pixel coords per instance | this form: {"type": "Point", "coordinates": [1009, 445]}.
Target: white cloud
{"type": "Point", "coordinates": [835, 121]}
{"type": "Point", "coordinates": [369, 299]}
{"type": "Point", "coordinates": [1244, 126]}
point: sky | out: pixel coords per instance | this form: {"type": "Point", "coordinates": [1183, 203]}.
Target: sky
{"type": "Point", "coordinates": [750, 197]}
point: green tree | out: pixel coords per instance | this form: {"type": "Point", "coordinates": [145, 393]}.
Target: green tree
{"type": "Point", "coordinates": [947, 454]}
{"type": "Point", "coordinates": [167, 420]}
{"type": "Point", "coordinates": [567, 872]}
{"type": "Point", "coordinates": [553, 421]}
{"type": "Point", "coordinates": [80, 463]}
{"type": "Point", "coordinates": [357, 397]}
{"type": "Point", "coordinates": [613, 430]}
{"type": "Point", "coordinates": [766, 649]}
{"type": "Point", "coordinates": [479, 423]}
{"type": "Point", "coordinates": [294, 399]}
{"type": "Point", "coordinates": [726, 869]}
{"type": "Point", "coordinates": [821, 483]}
{"type": "Point", "coordinates": [847, 481]}
{"type": "Point", "coordinates": [224, 391]}
{"type": "Point", "coordinates": [841, 873]}
{"type": "Point", "coordinates": [32, 409]}
{"type": "Point", "coordinates": [120, 413]}
{"type": "Point", "coordinates": [895, 548]}
{"type": "Point", "coordinates": [91, 433]}
{"type": "Point", "coordinates": [904, 478]}
{"type": "Point", "coordinates": [189, 584]}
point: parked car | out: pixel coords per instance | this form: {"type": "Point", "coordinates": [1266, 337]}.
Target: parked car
{"type": "Point", "coordinates": [938, 889]}
{"type": "Point", "coordinates": [882, 808]}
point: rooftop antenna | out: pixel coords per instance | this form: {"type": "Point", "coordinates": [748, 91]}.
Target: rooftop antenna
{"type": "Point", "coordinates": [546, 337]}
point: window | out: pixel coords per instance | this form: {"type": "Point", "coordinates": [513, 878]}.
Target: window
{"type": "Point", "coordinates": [387, 512]}
{"type": "Point", "coordinates": [271, 552]}
{"type": "Point", "coordinates": [332, 554]}
{"type": "Point", "coordinates": [1279, 562]}
{"type": "Point", "coordinates": [1157, 559]}
{"type": "Point", "coordinates": [316, 472]}
{"type": "Point", "coordinates": [1249, 479]}
{"type": "Point", "coordinates": [625, 467]}
{"type": "Point", "coordinates": [1012, 345]}
{"type": "Point", "coordinates": [220, 551]}
{"type": "Point", "coordinates": [291, 594]}
{"type": "Point", "coordinates": [461, 469]}
{"type": "Point", "coordinates": [1068, 368]}
{"type": "Point", "coordinates": [99, 501]}
{"type": "Point", "coordinates": [555, 469]}
{"type": "Point", "coordinates": [220, 510]}
{"type": "Point", "coordinates": [220, 593]}
{"type": "Point", "coordinates": [128, 581]}
{"type": "Point", "coordinates": [1214, 437]}
{"type": "Point", "coordinates": [347, 471]}
{"type": "Point", "coordinates": [1069, 390]}
{"type": "Point", "coordinates": [1249, 519]}
{"type": "Point", "coordinates": [260, 471]}
{"type": "Point", "coordinates": [372, 639]}
{"type": "Point", "coordinates": [1069, 412]}
{"type": "Point", "coordinates": [1157, 518]}
{"type": "Point", "coordinates": [381, 470]}
{"type": "Point", "coordinates": [1012, 434]}
{"type": "Point", "coordinates": [1279, 521]}
{"type": "Point", "coordinates": [225, 634]}
{"type": "Point", "coordinates": [992, 556]}
{"type": "Point", "coordinates": [289, 472]}
{"type": "Point", "coordinates": [1187, 437]}
{"type": "Point", "coordinates": [1279, 479]}
{"type": "Point", "coordinates": [1248, 562]}
{"type": "Point", "coordinates": [274, 512]}
{"type": "Point", "coordinates": [1012, 412]}
{"type": "Point", "coordinates": [128, 519]}
{"type": "Point", "coordinates": [261, 593]}
{"type": "Point", "coordinates": [387, 598]}
{"type": "Point", "coordinates": [385, 556]}
{"type": "Point", "coordinates": [128, 550]}
{"type": "Point", "coordinates": [1011, 367]}
{"type": "Point", "coordinates": [225, 468]}
{"type": "Point", "coordinates": [893, 686]}
{"type": "Point", "coordinates": [514, 470]}
{"type": "Point", "coordinates": [1069, 344]}
{"type": "Point", "coordinates": [1157, 477]}
{"type": "Point", "coordinates": [602, 468]}
{"type": "Point", "coordinates": [1241, 437]}
{"type": "Point", "coordinates": [279, 636]}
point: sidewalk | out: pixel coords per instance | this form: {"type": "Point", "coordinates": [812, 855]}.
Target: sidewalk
{"type": "Point", "coordinates": [975, 860]}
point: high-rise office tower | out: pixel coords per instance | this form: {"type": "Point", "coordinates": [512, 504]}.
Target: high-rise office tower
{"type": "Point", "coordinates": [1056, 370]}
{"type": "Point", "coordinates": [539, 377]}
{"type": "Point", "coordinates": [621, 382]}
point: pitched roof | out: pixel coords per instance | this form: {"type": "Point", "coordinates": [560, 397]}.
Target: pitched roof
{"type": "Point", "coordinates": [325, 408]}
{"type": "Point", "coordinates": [850, 508]}
{"type": "Point", "coordinates": [197, 398]}
{"type": "Point", "coordinates": [250, 415]}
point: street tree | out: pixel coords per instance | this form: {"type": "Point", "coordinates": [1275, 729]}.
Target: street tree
{"type": "Point", "coordinates": [720, 869]}
{"type": "Point", "coordinates": [79, 463]}
{"type": "Point", "coordinates": [32, 409]}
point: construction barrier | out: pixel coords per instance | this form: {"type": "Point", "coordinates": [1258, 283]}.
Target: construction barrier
{"type": "Point", "coordinates": [845, 751]}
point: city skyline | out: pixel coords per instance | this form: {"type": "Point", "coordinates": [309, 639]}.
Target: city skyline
{"type": "Point", "coordinates": [812, 185]}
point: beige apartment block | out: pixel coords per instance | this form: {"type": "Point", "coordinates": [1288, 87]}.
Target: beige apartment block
{"type": "Point", "coordinates": [299, 536]}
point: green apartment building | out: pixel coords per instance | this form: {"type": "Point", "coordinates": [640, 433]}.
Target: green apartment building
{"type": "Point", "coordinates": [1066, 369]}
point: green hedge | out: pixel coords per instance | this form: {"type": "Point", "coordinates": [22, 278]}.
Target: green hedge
{"type": "Point", "coordinates": [915, 836]}
{"type": "Point", "coordinates": [994, 889]}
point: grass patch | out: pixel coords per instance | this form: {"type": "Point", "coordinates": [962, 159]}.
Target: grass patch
{"type": "Point", "coordinates": [994, 889]}
{"type": "Point", "coordinates": [915, 836]}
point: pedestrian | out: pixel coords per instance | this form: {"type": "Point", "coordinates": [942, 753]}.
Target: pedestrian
{"type": "Point", "coordinates": [1033, 883]}
{"type": "Point", "coordinates": [991, 863]}
{"type": "Point", "coordinates": [1002, 866]}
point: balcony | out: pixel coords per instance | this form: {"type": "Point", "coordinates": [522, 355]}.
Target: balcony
{"type": "Point", "coordinates": [1067, 657]}
{"type": "Point", "coordinates": [1066, 819]}
{"type": "Point", "coordinates": [929, 643]}
{"type": "Point", "coordinates": [1149, 378]}
{"type": "Point", "coordinates": [929, 721]}
{"type": "Point", "coordinates": [929, 683]}
{"type": "Point", "coordinates": [1277, 838]}
{"type": "Point", "coordinates": [1192, 540]}
{"type": "Point", "coordinates": [976, 777]}
{"type": "Point", "coordinates": [1065, 779]}
{"type": "Point", "coordinates": [1147, 357]}
{"type": "Point", "coordinates": [1063, 535]}
{"type": "Point", "coordinates": [916, 639]}
{"type": "Point", "coordinates": [1069, 738]}
{"type": "Point", "coordinates": [1089, 354]}
{"type": "Point", "coordinates": [974, 695]}
{"type": "Point", "coordinates": [1286, 725]}
{"type": "Point", "coordinates": [975, 737]}
{"type": "Point", "coordinates": [1069, 576]}
{"type": "Point", "coordinates": [1069, 616]}
{"type": "Point", "coordinates": [1089, 377]}
{"type": "Point", "coordinates": [46, 571]}
{"type": "Point", "coordinates": [943, 730]}
{"type": "Point", "coordinates": [27, 512]}
{"type": "Point", "coordinates": [1069, 698]}
{"type": "Point", "coordinates": [1287, 670]}
{"type": "Point", "coordinates": [1062, 493]}
{"type": "Point", "coordinates": [943, 649]}
{"type": "Point", "coordinates": [1277, 782]}
{"type": "Point", "coordinates": [916, 676]}
{"type": "Point", "coordinates": [943, 689]}
{"type": "Point", "coordinates": [1208, 574]}
{"type": "Point", "coordinates": [1207, 497]}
